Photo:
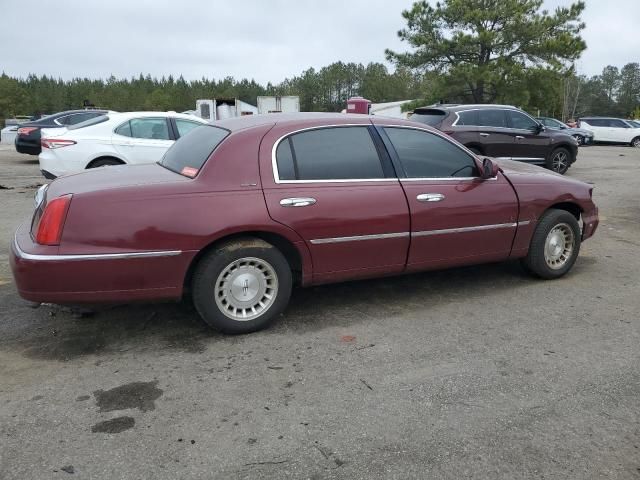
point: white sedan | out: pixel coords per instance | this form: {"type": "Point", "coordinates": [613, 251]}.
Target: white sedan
{"type": "Point", "coordinates": [112, 139]}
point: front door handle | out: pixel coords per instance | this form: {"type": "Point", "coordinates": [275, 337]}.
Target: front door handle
{"type": "Point", "coordinates": [430, 197]}
{"type": "Point", "coordinates": [519, 137]}
{"type": "Point", "coordinates": [297, 202]}
{"type": "Point", "coordinates": [485, 134]}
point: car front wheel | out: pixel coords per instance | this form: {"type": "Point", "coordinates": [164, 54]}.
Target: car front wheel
{"type": "Point", "coordinates": [242, 286]}
{"type": "Point", "coordinates": [635, 142]}
{"type": "Point", "coordinates": [579, 139]}
{"type": "Point", "coordinates": [554, 246]}
{"type": "Point", "coordinates": [559, 161]}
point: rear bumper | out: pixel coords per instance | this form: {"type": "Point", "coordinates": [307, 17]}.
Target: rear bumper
{"type": "Point", "coordinates": [44, 275]}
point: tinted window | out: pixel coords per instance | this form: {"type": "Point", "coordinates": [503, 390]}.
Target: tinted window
{"type": "Point", "coordinates": [64, 120]}
{"type": "Point", "coordinates": [188, 154]}
{"type": "Point", "coordinates": [521, 121]}
{"type": "Point", "coordinates": [185, 126]}
{"type": "Point", "coordinates": [594, 122]}
{"type": "Point", "coordinates": [333, 154]}
{"type": "Point", "coordinates": [468, 118]}
{"type": "Point", "coordinates": [124, 129]}
{"type": "Point", "coordinates": [284, 159]}
{"type": "Point", "coordinates": [492, 118]}
{"type": "Point", "coordinates": [91, 121]}
{"type": "Point", "coordinates": [426, 155]}
{"type": "Point", "coordinates": [428, 116]}
{"type": "Point", "coordinates": [81, 117]}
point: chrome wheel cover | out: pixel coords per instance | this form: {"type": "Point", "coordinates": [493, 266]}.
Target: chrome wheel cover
{"type": "Point", "coordinates": [559, 245]}
{"type": "Point", "coordinates": [636, 143]}
{"type": "Point", "coordinates": [560, 162]}
{"type": "Point", "coordinates": [579, 139]}
{"type": "Point", "coordinates": [246, 289]}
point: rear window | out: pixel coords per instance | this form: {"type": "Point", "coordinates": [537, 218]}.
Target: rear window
{"type": "Point", "coordinates": [88, 123]}
{"type": "Point", "coordinates": [428, 116]}
{"type": "Point", "coordinates": [189, 153]}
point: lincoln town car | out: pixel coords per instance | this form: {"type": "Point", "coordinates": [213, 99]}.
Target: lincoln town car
{"type": "Point", "coordinates": [237, 213]}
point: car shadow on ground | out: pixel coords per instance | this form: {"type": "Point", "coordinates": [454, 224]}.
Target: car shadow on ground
{"type": "Point", "coordinates": [61, 333]}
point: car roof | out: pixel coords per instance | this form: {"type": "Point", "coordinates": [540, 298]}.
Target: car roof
{"type": "Point", "coordinates": [302, 118]}
{"type": "Point", "coordinates": [461, 107]}
{"type": "Point", "coordinates": [143, 114]}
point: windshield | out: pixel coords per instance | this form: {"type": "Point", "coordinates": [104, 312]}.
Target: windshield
{"type": "Point", "coordinates": [191, 151]}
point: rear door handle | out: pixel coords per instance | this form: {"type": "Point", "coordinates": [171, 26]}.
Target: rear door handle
{"type": "Point", "coordinates": [519, 137]}
{"type": "Point", "coordinates": [485, 134]}
{"type": "Point", "coordinates": [297, 202]}
{"type": "Point", "coordinates": [430, 197]}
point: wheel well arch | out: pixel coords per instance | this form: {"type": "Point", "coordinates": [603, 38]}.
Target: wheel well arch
{"type": "Point", "coordinates": [284, 245]}
{"type": "Point", "coordinates": [103, 157]}
{"type": "Point", "coordinates": [573, 208]}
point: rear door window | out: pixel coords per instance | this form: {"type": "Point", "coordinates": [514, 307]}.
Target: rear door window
{"type": "Point", "coordinates": [185, 126]}
{"type": "Point", "coordinates": [492, 118]}
{"type": "Point", "coordinates": [470, 117]}
{"type": "Point", "coordinates": [521, 121]}
{"type": "Point", "coordinates": [338, 153]}
{"type": "Point", "coordinates": [427, 155]}
{"type": "Point", "coordinates": [150, 128]}
{"type": "Point", "coordinates": [189, 153]}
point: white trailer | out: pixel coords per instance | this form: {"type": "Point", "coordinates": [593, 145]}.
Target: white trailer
{"type": "Point", "coordinates": [220, 108]}
{"type": "Point", "coordinates": [286, 104]}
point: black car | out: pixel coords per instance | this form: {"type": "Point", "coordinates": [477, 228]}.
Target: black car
{"type": "Point", "coordinates": [28, 137]}
{"type": "Point", "coordinates": [502, 131]}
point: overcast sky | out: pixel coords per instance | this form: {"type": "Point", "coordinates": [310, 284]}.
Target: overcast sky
{"type": "Point", "coordinates": [268, 40]}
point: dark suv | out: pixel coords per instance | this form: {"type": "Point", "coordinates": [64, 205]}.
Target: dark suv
{"type": "Point", "coordinates": [502, 131]}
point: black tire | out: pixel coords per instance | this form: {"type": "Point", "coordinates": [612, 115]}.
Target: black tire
{"type": "Point", "coordinates": [537, 262]}
{"type": "Point", "coordinates": [635, 142]}
{"type": "Point", "coordinates": [104, 162]}
{"type": "Point", "coordinates": [559, 160]}
{"type": "Point", "coordinates": [579, 139]}
{"type": "Point", "coordinates": [211, 295]}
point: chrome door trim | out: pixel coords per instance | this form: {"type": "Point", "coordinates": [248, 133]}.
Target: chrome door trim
{"type": "Point", "coordinates": [357, 238]}
{"type": "Point", "coordinates": [477, 228]}
{"type": "Point", "coordinates": [92, 256]}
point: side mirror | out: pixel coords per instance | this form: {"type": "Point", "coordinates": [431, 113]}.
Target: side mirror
{"type": "Point", "coordinates": [489, 169]}
{"type": "Point", "coordinates": [539, 128]}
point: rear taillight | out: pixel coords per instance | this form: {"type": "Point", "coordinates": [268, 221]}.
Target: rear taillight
{"type": "Point", "coordinates": [55, 143]}
{"type": "Point", "coordinates": [26, 130]}
{"type": "Point", "coordinates": [52, 221]}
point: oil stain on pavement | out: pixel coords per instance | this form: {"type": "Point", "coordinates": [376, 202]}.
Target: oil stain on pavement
{"type": "Point", "coordinates": [115, 425]}
{"type": "Point", "coordinates": [140, 395]}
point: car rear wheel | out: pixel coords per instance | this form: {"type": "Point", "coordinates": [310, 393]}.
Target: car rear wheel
{"type": "Point", "coordinates": [104, 162]}
{"type": "Point", "coordinates": [635, 142]}
{"type": "Point", "coordinates": [242, 286]}
{"type": "Point", "coordinates": [579, 139]}
{"type": "Point", "coordinates": [554, 246]}
{"type": "Point", "coordinates": [559, 161]}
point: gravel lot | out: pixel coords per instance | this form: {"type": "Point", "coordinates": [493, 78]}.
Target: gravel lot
{"type": "Point", "coordinates": [476, 372]}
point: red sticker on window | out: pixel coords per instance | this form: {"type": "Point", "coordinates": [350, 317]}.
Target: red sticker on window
{"type": "Point", "coordinates": [189, 172]}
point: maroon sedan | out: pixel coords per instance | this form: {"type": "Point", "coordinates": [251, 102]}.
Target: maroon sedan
{"type": "Point", "coordinates": [239, 212]}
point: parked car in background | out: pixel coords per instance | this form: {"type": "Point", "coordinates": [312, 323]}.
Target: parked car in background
{"type": "Point", "coordinates": [112, 139]}
{"type": "Point", "coordinates": [612, 130]}
{"type": "Point", "coordinates": [634, 123]}
{"type": "Point", "coordinates": [238, 212]}
{"type": "Point", "coordinates": [28, 138]}
{"type": "Point", "coordinates": [582, 136]}
{"type": "Point", "coordinates": [502, 131]}
{"type": "Point", "coordinates": [10, 129]}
